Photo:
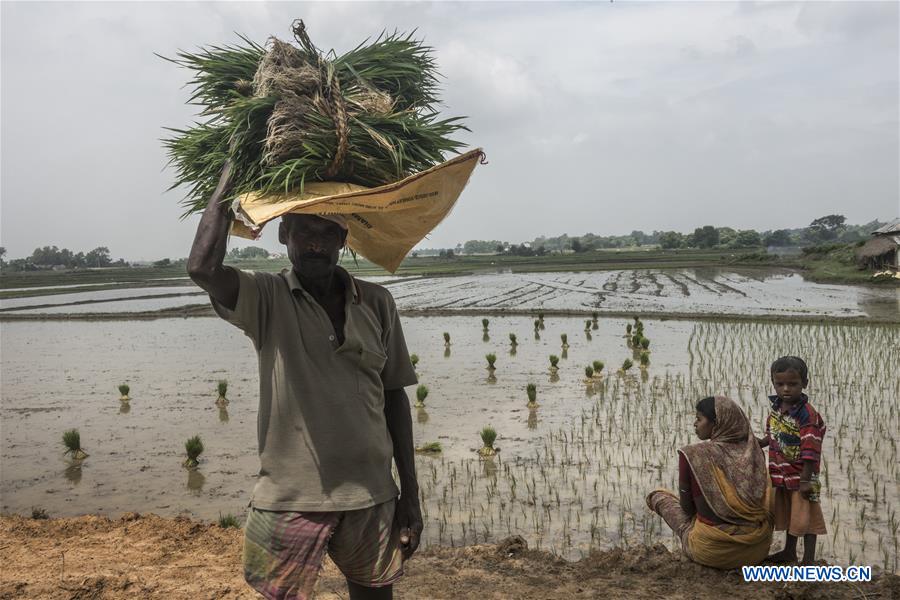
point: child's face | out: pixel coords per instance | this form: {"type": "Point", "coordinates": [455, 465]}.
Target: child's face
{"type": "Point", "coordinates": [789, 386]}
{"type": "Point", "coordinates": [703, 427]}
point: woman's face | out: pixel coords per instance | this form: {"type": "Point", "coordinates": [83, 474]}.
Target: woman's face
{"type": "Point", "coordinates": [703, 427]}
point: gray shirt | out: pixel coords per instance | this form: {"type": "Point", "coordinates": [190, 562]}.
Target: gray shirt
{"type": "Point", "coordinates": [323, 439]}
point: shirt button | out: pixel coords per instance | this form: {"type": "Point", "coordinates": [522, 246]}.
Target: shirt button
{"type": "Point", "coordinates": [331, 337]}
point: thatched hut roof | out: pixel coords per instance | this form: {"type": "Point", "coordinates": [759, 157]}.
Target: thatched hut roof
{"type": "Point", "coordinates": [876, 247]}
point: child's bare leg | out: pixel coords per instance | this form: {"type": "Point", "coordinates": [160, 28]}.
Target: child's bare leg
{"type": "Point", "coordinates": [809, 549]}
{"type": "Point", "coordinates": [789, 554]}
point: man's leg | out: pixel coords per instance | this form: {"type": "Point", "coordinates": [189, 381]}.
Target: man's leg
{"type": "Point", "coordinates": [361, 592]}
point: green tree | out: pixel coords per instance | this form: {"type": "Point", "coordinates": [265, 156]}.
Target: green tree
{"type": "Point", "coordinates": [706, 236]}
{"type": "Point", "coordinates": [746, 238]}
{"type": "Point", "coordinates": [670, 239]}
{"type": "Point", "coordinates": [826, 228]}
{"type": "Point", "coordinates": [98, 257]}
{"type": "Point", "coordinates": [779, 237]}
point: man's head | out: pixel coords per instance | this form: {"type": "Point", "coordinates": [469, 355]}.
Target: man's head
{"type": "Point", "coordinates": [313, 243]}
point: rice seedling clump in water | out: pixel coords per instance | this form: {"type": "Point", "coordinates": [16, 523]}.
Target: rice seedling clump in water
{"type": "Point", "coordinates": [194, 448]}
{"type": "Point", "coordinates": [124, 389]}
{"type": "Point", "coordinates": [414, 359]}
{"type": "Point", "coordinates": [491, 359]}
{"type": "Point", "coordinates": [421, 394]}
{"type": "Point", "coordinates": [531, 391]}
{"type": "Point", "coordinates": [72, 441]}
{"type": "Point", "coordinates": [430, 448]}
{"type": "Point", "coordinates": [488, 437]}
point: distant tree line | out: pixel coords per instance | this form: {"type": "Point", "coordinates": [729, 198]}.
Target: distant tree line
{"type": "Point", "coordinates": [824, 230]}
{"type": "Point", "coordinates": [49, 257]}
{"type": "Point", "coordinates": [248, 253]}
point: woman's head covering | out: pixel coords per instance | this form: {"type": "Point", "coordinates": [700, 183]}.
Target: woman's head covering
{"type": "Point", "coordinates": [733, 450]}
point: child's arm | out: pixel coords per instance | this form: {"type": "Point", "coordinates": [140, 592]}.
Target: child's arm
{"type": "Point", "coordinates": [805, 475]}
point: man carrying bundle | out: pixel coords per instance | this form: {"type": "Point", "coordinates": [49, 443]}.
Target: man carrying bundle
{"type": "Point", "coordinates": [333, 412]}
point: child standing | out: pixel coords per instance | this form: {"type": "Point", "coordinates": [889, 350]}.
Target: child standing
{"type": "Point", "coordinates": [794, 432]}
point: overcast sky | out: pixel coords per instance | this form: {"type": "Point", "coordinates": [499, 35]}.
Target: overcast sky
{"type": "Point", "coordinates": [595, 117]}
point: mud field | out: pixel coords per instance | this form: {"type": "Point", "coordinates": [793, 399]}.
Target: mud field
{"type": "Point", "coordinates": [178, 559]}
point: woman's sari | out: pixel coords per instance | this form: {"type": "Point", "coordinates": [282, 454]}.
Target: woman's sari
{"type": "Point", "coordinates": [732, 473]}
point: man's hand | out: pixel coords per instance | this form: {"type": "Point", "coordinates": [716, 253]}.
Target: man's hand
{"type": "Point", "coordinates": [408, 517]}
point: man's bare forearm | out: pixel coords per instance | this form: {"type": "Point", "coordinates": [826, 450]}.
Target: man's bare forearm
{"type": "Point", "coordinates": [399, 423]}
{"type": "Point", "coordinates": [211, 239]}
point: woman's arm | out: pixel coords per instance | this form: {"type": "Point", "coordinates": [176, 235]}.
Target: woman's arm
{"type": "Point", "coordinates": [684, 486]}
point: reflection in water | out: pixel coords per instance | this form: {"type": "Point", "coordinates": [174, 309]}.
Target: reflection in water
{"type": "Point", "coordinates": [491, 378]}
{"type": "Point", "coordinates": [124, 408]}
{"type": "Point", "coordinates": [588, 336]}
{"type": "Point", "coordinates": [537, 335]}
{"type": "Point", "coordinates": [489, 467]}
{"type": "Point", "coordinates": [485, 337]}
{"type": "Point", "coordinates": [223, 414]}
{"type": "Point", "coordinates": [532, 419]}
{"type": "Point", "coordinates": [554, 377]}
{"type": "Point", "coordinates": [512, 350]}
{"type": "Point", "coordinates": [421, 415]}
{"type": "Point", "coordinates": [564, 353]}
{"type": "Point", "coordinates": [645, 375]}
{"type": "Point", "coordinates": [73, 472]}
{"type": "Point", "coordinates": [447, 352]}
{"type": "Point", "coordinates": [589, 389]}
{"type": "Point", "coordinates": [195, 481]}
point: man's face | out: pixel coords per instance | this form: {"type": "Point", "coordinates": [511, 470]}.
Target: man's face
{"type": "Point", "coordinates": [313, 244]}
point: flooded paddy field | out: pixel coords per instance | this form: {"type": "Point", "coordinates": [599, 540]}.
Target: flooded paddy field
{"type": "Point", "coordinates": [700, 292]}
{"type": "Point", "coordinates": [570, 475]}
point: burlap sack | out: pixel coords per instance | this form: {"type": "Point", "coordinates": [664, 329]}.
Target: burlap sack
{"type": "Point", "coordinates": [385, 222]}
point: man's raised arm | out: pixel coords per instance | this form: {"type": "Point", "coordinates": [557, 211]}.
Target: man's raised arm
{"type": "Point", "coordinates": [204, 265]}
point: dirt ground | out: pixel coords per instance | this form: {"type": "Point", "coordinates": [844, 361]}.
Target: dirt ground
{"type": "Point", "coordinates": [146, 556]}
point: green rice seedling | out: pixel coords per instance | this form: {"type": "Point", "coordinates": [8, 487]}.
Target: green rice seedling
{"type": "Point", "coordinates": [628, 330]}
{"type": "Point", "coordinates": [488, 437]}
{"type": "Point", "coordinates": [598, 367]}
{"type": "Point", "coordinates": [414, 359]}
{"type": "Point", "coordinates": [636, 340]}
{"type": "Point", "coordinates": [194, 448]}
{"type": "Point", "coordinates": [430, 448]}
{"type": "Point", "coordinates": [72, 442]}
{"type": "Point", "coordinates": [123, 391]}
{"type": "Point", "coordinates": [645, 343]}
{"type": "Point", "coordinates": [229, 520]}
{"type": "Point", "coordinates": [554, 361]}
{"type": "Point", "coordinates": [537, 324]}
{"type": "Point", "coordinates": [565, 340]}
{"type": "Point", "coordinates": [446, 339]}
{"type": "Point", "coordinates": [541, 317]}
{"type": "Point", "coordinates": [484, 324]}
{"type": "Point", "coordinates": [589, 372]}
{"type": "Point", "coordinates": [595, 315]}
{"type": "Point", "coordinates": [531, 391]}
{"type": "Point", "coordinates": [512, 340]}
{"type": "Point", "coordinates": [421, 394]}
{"type": "Point", "coordinates": [491, 358]}
{"type": "Point", "coordinates": [645, 359]}
{"type": "Point", "coordinates": [222, 388]}
{"type": "Point", "coordinates": [39, 514]}
{"type": "Point", "coordinates": [587, 325]}
{"type": "Point", "coordinates": [626, 365]}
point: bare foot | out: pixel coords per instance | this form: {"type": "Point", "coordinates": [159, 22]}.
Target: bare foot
{"type": "Point", "coordinates": [782, 557]}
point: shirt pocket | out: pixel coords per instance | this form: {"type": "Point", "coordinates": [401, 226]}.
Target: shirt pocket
{"type": "Point", "coordinates": [368, 375]}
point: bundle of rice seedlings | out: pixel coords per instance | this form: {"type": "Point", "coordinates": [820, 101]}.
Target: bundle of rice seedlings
{"type": "Point", "coordinates": [222, 388]}
{"type": "Point", "coordinates": [72, 441]}
{"type": "Point", "coordinates": [594, 316]}
{"type": "Point", "coordinates": [285, 114]}
{"type": "Point", "coordinates": [565, 340]}
{"type": "Point", "coordinates": [598, 367]}
{"type": "Point", "coordinates": [537, 325]}
{"type": "Point", "coordinates": [645, 359]}
{"type": "Point", "coordinates": [531, 390]}
{"type": "Point", "coordinates": [626, 365]}
{"type": "Point", "coordinates": [554, 361]}
{"type": "Point", "coordinates": [484, 324]}
{"type": "Point", "coordinates": [491, 359]}
{"type": "Point", "coordinates": [488, 436]}
{"type": "Point", "coordinates": [414, 359]}
{"type": "Point", "coordinates": [421, 394]}
{"type": "Point", "coordinates": [513, 341]}
{"type": "Point", "coordinates": [628, 330]}
{"type": "Point", "coordinates": [430, 448]}
{"type": "Point", "coordinates": [446, 339]}
{"type": "Point", "coordinates": [645, 343]}
{"type": "Point", "coordinates": [589, 373]}
{"type": "Point", "coordinates": [194, 448]}
{"type": "Point", "coordinates": [587, 325]}
{"type": "Point", "coordinates": [123, 390]}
